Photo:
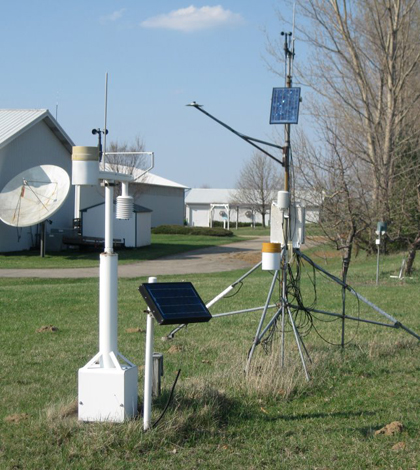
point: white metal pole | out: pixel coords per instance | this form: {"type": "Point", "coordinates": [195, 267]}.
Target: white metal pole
{"type": "Point", "coordinates": [108, 308]}
{"type": "Point", "coordinates": [108, 287]}
{"type": "Point", "coordinates": [109, 217]}
{"type": "Point", "coordinates": [148, 369]}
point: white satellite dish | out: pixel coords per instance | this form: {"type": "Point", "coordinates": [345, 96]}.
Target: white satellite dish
{"type": "Point", "coordinates": [34, 195]}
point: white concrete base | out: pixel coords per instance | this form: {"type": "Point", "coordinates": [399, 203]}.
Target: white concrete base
{"type": "Point", "coordinates": [108, 394]}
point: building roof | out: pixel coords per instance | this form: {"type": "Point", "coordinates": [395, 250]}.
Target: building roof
{"type": "Point", "coordinates": [156, 180]}
{"type": "Point", "coordinates": [148, 178]}
{"type": "Point", "coordinates": [209, 196]}
{"type": "Point", "coordinates": [227, 196]}
{"type": "Point", "coordinates": [14, 122]}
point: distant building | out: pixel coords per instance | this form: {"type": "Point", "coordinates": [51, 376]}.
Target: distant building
{"type": "Point", "coordinates": [28, 138]}
{"type": "Point", "coordinates": [203, 207]}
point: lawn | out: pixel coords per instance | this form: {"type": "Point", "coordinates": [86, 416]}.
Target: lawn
{"type": "Point", "coordinates": [218, 418]}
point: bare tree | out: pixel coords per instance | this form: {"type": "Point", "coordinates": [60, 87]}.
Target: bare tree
{"type": "Point", "coordinates": [337, 181]}
{"type": "Point", "coordinates": [405, 207]}
{"type": "Point", "coordinates": [257, 184]}
{"type": "Point", "coordinates": [364, 56]}
{"type": "Point", "coordinates": [120, 160]}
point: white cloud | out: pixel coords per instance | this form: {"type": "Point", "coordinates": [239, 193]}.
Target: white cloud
{"type": "Point", "coordinates": [194, 19]}
{"type": "Point", "coordinates": [116, 15]}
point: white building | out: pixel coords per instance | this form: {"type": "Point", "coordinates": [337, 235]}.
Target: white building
{"type": "Point", "coordinates": [205, 206]}
{"type": "Point", "coordinates": [28, 138]}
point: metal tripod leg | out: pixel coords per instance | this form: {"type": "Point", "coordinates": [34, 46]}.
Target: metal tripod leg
{"type": "Point", "coordinates": [298, 340]}
{"type": "Point", "coordinates": [257, 335]}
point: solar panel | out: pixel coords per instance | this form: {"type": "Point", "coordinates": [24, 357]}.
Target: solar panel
{"type": "Point", "coordinates": [285, 106]}
{"type": "Point", "coordinates": [174, 303]}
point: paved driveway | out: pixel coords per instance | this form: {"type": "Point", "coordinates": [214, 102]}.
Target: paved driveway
{"type": "Point", "coordinates": [206, 260]}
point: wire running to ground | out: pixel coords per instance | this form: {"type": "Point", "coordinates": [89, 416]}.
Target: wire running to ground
{"type": "Point", "coordinates": [168, 402]}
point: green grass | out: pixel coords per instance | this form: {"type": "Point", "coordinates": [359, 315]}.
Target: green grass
{"type": "Point", "coordinates": [249, 231]}
{"type": "Point", "coordinates": [162, 245]}
{"type": "Point", "coordinates": [219, 419]}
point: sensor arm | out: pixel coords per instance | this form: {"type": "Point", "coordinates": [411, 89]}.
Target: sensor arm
{"type": "Point", "coordinates": [248, 139]}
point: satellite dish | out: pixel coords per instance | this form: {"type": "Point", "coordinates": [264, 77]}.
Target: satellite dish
{"type": "Point", "coordinates": [248, 214]}
{"type": "Point", "coordinates": [34, 195]}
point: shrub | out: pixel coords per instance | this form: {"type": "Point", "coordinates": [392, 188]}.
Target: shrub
{"type": "Point", "coordinates": [217, 223]}
{"type": "Point", "coordinates": [183, 230]}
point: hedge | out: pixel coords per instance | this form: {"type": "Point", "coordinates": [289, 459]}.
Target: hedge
{"type": "Point", "coordinates": [183, 230]}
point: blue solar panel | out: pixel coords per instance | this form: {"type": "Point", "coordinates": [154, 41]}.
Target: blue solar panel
{"type": "Point", "coordinates": [173, 303]}
{"type": "Point", "coordinates": [285, 106]}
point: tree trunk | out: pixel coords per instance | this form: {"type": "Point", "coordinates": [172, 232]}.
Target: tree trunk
{"type": "Point", "coordinates": [347, 252]}
{"type": "Point", "coordinates": [411, 257]}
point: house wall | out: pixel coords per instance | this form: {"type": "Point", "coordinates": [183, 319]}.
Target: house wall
{"type": "Point", "coordinates": [197, 215]}
{"type": "Point", "coordinates": [167, 203]}
{"type": "Point", "coordinates": [37, 146]}
{"type": "Point", "coordinates": [143, 233]}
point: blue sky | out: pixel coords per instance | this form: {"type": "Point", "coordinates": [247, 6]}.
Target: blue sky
{"type": "Point", "coordinates": [160, 55]}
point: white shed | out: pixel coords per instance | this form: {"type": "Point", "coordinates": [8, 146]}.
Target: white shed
{"type": "Point", "coordinates": [135, 232]}
{"type": "Point", "coordinates": [28, 138]}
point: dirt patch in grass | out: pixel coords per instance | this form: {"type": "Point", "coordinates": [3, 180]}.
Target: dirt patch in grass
{"type": "Point", "coordinates": [47, 329]}
{"type": "Point", "coordinates": [16, 418]}
{"type": "Point", "coordinates": [174, 349]}
{"type": "Point", "coordinates": [390, 429]}
{"type": "Point", "coordinates": [134, 330]}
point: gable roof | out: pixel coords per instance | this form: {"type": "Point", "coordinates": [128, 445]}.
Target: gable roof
{"type": "Point", "coordinates": [209, 196]}
{"type": "Point", "coordinates": [14, 122]}
{"type": "Point", "coordinates": [148, 178]}
{"type": "Point", "coordinates": [156, 180]}
{"type": "Point", "coordinates": [227, 196]}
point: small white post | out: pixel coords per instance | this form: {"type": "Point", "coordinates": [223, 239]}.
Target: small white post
{"type": "Point", "coordinates": [77, 201]}
{"type": "Point", "coordinates": [148, 369]}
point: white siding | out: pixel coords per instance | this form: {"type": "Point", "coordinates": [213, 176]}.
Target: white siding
{"type": "Point", "coordinates": [198, 215]}
{"type": "Point", "coordinates": [166, 203]}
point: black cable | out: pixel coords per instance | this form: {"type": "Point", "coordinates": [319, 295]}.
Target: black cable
{"type": "Point", "coordinates": [330, 278]}
{"type": "Point", "coordinates": [235, 293]}
{"type": "Point", "coordinates": [168, 402]}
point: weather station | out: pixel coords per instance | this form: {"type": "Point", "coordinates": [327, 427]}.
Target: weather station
{"type": "Point", "coordinates": [108, 382]}
{"type": "Point", "coordinates": [282, 258]}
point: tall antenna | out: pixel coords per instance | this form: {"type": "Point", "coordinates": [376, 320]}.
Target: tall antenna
{"type": "Point", "coordinates": [293, 37]}
{"type": "Point", "coordinates": [105, 113]}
